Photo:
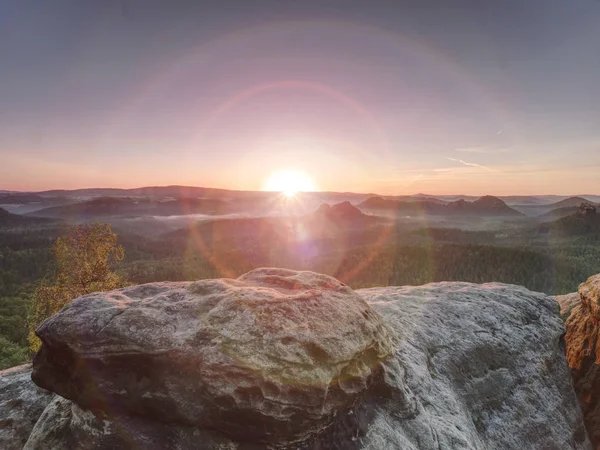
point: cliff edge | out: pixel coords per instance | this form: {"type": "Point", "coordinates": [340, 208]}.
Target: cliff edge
{"type": "Point", "coordinates": [279, 359]}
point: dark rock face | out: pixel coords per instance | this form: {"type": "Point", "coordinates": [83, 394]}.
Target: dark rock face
{"type": "Point", "coordinates": [346, 209]}
{"type": "Point", "coordinates": [586, 210]}
{"type": "Point", "coordinates": [287, 360]}
{"type": "Point", "coordinates": [274, 355]}
{"type": "Point", "coordinates": [340, 211]}
{"type": "Point", "coordinates": [583, 350]}
{"type": "Point", "coordinates": [21, 404]}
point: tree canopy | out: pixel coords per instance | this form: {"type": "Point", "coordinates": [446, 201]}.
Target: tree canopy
{"type": "Point", "coordinates": [84, 261]}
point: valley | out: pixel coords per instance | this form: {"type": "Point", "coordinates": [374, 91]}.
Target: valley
{"type": "Point", "coordinates": [363, 240]}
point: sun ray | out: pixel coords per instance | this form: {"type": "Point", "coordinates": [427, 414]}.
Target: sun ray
{"type": "Point", "coordinates": [289, 182]}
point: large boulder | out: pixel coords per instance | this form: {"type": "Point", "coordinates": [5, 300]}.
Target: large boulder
{"type": "Point", "coordinates": [486, 364]}
{"type": "Point", "coordinates": [582, 314]}
{"type": "Point", "coordinates": [272, 356]}
{"type": "Point", "coordinates": [295, 360]}
{"type": "Point", "coordinates": [21, 404]}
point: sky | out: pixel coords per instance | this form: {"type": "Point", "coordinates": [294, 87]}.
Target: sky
{"type": "Point", "coordinates": [391, 97]}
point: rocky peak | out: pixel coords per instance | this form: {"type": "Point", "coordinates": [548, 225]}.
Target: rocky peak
{"type": "Point", "coordinates": [343, 210]}
{"type": "Point", "coordinates": [324, 209]}
{"type": "Point", "coordinates": [346, 209]}
{"type": "Point", "coordinates": [490, 201]}
{"type": "Point", "coordinates": [458, 204]}
{"type": "Point", "coordinates": [586, 210]}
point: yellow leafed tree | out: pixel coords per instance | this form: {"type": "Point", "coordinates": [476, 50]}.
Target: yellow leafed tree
{"type": "Point", "coordinates": [84, 263]}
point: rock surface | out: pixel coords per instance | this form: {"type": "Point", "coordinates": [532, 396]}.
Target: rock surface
{"type": "Point", "coordinates": [21, 404]}
{"type": "Point", "coordinates": [451, 366]}
{"type": "Point", "coordinates": [583, 350]}
{"type": "Point", "coordinates": [486, 365]}
{"type": "Point", "coordinates": [567, 303]}
{"type": "Point", "coordinates": [271, 356]}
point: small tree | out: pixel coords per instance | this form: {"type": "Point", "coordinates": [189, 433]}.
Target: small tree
{"type": "Point", "coordinates": [84, 262]}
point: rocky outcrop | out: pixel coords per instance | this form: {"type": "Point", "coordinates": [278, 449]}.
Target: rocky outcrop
{"type": "Point", "coordinates": [21, 404]}
{"type": "Point", "coordinates": [586, 210]}
{"type": "Point", "coordinates": [296, 360]}
{"type": "Point", "coordinates": [582, 314]}
{"type": "Point", "coordinates": [486, 365]}
{"type": "Point", "coordinates": [340, 211]}
{"type": "Point", "coordinates": [273, 356]}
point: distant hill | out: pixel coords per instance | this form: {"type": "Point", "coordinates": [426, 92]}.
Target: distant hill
{"type": "Point", "coordinates": [524, 200]}
{"type": "Point", "coordinates": [585, 222]}
{"type": "Point", "coordinates": [341, 221]}
{"type": "Point", "coordinates": [176, 191]}
{"type": "Point", "coordinates": [180, 192]}
{"type": "Point", "coordinates": [151, 191]}
{"type": "Point", "coordinates": [414, 198]}
{"type": "Point", "coordinates": [344, 211]}
{"type": "Point", "coordinates": [564, 211]}
{"type": "Point", "coordinates": [484, 206]}
{"type": "Point", "coordinates": [558, 213]}
{"type": "Point", "coordinates": [401, 207]}
{"type": "Point", "coordinates": [538, 210]}
{"type": "Point", "coordinates": [571, 201]}
{"type": "Point", "coordinates": [12, 220]}
{"type": "Point", "coordinates": [18, 197]}
{"type": "Point", "coordinates": [125, 206]}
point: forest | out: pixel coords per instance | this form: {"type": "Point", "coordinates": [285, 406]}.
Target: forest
{"type": "Point", "coordinates": [373, 254]}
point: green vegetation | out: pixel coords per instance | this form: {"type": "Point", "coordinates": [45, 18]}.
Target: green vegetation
{"type": "Point", "coordinates": [83, 263]}
{"type": "Point", "coordinates": [11, 354]}
{"type": "Point", "coordinates": [375, 254]}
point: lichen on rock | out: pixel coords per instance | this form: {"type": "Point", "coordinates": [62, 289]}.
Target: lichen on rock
{"type": "Point", "coordinates": [272, 356]}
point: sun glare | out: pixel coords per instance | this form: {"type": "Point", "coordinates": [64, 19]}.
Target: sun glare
{"type": "Point", "coordinates": [289, 182]}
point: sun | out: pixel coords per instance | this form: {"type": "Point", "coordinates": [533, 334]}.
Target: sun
{"type": "Point", "coordinates": [289, 182]}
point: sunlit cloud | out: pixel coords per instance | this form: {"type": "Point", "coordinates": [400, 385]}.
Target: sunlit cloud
{"type": "Point", "coordinates": [470, 164]}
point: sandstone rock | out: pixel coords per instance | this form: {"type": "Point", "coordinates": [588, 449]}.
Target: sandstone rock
{"type": "Point", "coordinates": [21, 404]}
{"type": "Point", "coordinates": [53, 429]}
{"type": "Point", "coordinates": [583, 351]}
{"type": "Point", "coordinates": [567, 303]}
{"type": "Point", "coordinates": [453, 366]}
{"type": "Point", "coordinates": [582, 324]}
{"type": "Point", "coordinates": [486, 365]}
{"type": "Point", "coordinates": [65, 426]}
{"type": "Point", "coordinates": [589, 291]}
{"type": "Point", "coordinates": [273, 355]}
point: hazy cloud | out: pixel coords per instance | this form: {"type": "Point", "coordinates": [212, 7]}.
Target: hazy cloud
{"type": "Point", "coordinates": [482, 150]}
{"type": "Point", "coordinates": [470, 164]}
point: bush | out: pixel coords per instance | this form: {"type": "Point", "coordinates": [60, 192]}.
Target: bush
{"type": "Point", "coordinates": [12, 354]}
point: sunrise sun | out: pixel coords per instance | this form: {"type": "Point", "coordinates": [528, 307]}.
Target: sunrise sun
{"type": "Point", "coordinates": [289, 182]}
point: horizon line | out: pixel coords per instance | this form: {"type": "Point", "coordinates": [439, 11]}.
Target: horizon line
{"type": "Point", "coordinates": [299, 192]}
